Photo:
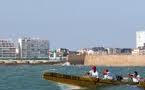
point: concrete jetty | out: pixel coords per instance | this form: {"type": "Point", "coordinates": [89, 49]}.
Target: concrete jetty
{"type": "Point", "coordinates": [31, 61]}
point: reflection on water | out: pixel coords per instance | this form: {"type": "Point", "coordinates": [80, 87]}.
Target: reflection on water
{"type": "Point", "coordinates": [29, 77]}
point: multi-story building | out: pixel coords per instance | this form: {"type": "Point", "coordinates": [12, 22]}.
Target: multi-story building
{"type": "Point", "coordinates": [140, 39]}
{"type": "Point", "coordinates": [7, 49]}
{"type": "Point", "coordinates": [33, 48]}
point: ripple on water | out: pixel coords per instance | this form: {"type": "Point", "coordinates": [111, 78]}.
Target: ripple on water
{"type": "Point", "coordinates": [29, 77]}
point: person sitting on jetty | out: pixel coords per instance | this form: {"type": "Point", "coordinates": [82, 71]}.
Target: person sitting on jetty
{"type": "Point", "coordinates": [93, 72]}
{"type": "Point", "coordinates": [135, 76]}
{"type": "Point", "coordinates": [106, 74]}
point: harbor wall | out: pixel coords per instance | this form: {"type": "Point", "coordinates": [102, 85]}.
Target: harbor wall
{"type": "Point", "coordinates": [76, 59]}
{"type": "Point", "coordinates": [108, 60]}
{"type": "Point", "coordinates": [115, 60]}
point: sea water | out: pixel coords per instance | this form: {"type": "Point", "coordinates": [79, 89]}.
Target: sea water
{"type": "Point", "coordinates": [29, 77]}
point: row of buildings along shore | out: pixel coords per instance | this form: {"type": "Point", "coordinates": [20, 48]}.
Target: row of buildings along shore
{"type": "Point", "coordinates": [27, 48]}
{"type": "Point", "coordinates": [139, 50]}
{"type": "Point", "coordinates": [34, 48]}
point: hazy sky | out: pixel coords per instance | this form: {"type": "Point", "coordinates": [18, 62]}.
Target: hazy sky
{"type": "Point", "coordinates": [74, 23]}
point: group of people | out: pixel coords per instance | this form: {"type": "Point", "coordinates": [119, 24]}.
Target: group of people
{"type": "Point", "coordinates": [106, 75]}
{"type": "Point", "coordinates": [94, 73]}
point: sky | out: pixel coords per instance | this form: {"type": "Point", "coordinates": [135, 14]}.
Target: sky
{"type": "Point", "coordinates": [74, 24]}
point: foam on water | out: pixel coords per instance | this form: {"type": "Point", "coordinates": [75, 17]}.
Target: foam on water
{"type": "Point", "coordinates": [68, 87]}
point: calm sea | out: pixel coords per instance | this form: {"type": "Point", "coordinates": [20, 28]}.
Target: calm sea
{"type": "Point", "coordinates": [29, 77]}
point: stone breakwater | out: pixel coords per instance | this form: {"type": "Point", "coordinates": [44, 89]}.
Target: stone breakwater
{"type": "Point", "coordinates": [108, 60]}
{"type": "Point", "coordinates": [30, 61]}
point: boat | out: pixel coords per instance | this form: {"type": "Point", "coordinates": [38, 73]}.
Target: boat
{"type": "Point", "coordinates": [86, 81]}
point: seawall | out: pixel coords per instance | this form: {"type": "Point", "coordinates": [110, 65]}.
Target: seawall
{"type": "Point", "coordinates": [115, 60]}
{"type": "Point", "coordinates": [108, 60]}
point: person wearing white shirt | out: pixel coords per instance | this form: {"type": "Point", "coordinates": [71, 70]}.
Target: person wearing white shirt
{"type": "Point", "coordinates": [135, 77]}
{"type": "Point", "coordinates": [94, 72]}
{"type": "Point", "coordinates": [106, 74]}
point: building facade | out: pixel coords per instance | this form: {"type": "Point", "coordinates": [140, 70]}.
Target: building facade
{"type": "Point", "coordinates": [33, 48]}
{"type": "Point", "coordinates": [7, 49]}
{"type": "Point", "coordinates": [140, 39]}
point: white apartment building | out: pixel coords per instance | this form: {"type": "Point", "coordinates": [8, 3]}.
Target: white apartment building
{"type": "Point", "coordinates": [140, 39]}
{"type": "Point", "coordinates": [33, 48]}
{"type": "Point", "coordinates": [7, 49]}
